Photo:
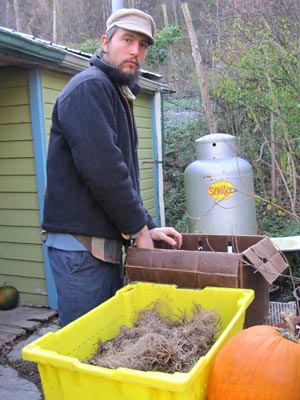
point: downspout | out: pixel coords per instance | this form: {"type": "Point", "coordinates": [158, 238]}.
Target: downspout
{"type": "Point", "coordinates": [162, 130]}
{"type": "Point", "coordinates": [40, 155]}
{"type": "Point", "coordinates": [162, 127]}
{"type": "Point", "coordinates": [158, 157]}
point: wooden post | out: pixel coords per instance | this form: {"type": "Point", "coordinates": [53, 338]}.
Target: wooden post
{"type": "Point", "coordinates": [164, 7]}
{"type": "Point", "coordinates": [116, 4]}
{"type": "Point", "coordinates": [199, 68]}
{"type": "Point", "coordinates": [175, 13]}
{"type": "Point", "coordinates": [17, 15]}
{"type": "Point", "coordinates": [54, 26]}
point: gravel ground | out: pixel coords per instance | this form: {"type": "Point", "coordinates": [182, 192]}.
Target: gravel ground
{"type": "Point", "coordinates": [10, 355]}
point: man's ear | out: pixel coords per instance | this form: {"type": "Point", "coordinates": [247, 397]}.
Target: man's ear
{"type": "Point", "coordinates": [104, 43]}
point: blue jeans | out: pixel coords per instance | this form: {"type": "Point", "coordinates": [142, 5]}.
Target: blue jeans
{"type": "Point", "coordinates": [82, 282]}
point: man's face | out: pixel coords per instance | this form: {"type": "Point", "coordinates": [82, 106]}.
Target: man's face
{"type": "Point", "coordinates": [126, 51]}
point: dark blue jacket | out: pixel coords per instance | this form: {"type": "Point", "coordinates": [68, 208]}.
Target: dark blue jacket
{"type": "Point", "coordinates": [92, 166]}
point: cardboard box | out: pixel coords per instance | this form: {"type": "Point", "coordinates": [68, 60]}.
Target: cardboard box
{"type": "Point", "coordinates": [250, 262]}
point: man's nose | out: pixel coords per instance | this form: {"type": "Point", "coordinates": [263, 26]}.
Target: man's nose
{"type": "Point", "coordinates": [135, 48]}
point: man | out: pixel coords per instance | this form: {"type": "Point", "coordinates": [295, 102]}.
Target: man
{"type": "Point", "coordinates": [92, 202]}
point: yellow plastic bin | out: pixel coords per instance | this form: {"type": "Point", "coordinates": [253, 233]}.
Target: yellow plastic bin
{"type": "Point", "coordinates": [60, 356]}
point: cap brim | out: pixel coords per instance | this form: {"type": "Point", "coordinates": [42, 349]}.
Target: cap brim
{"type": "Point", "coordinates": [134, 28]}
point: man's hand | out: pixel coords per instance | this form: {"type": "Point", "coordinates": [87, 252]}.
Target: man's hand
{"type": "Point", "coordinates": [168, 235]}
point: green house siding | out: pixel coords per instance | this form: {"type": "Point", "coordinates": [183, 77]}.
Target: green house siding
{"type": "Point", "coordinates": [32, 74]}
{"type": "Point", "coordinates": [142, 109]}
{"type": "Point", "coordinates": [21, 258]}
{"type": "Point", "coordinates": [21, 255]}
{"type": "Point", "coordinates": [23, 263]}
{"type": "Point", "coordinates": [52, 85]}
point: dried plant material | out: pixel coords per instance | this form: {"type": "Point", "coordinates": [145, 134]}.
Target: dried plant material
{"type": "Point", "coordinates": [159, 343]}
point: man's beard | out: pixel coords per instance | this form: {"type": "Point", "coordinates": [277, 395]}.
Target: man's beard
{"type": "Point", "coordinates": [125, 78]}
{"type": "Point", "coordinates": [120, 77]}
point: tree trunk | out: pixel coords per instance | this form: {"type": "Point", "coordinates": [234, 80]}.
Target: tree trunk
{"type": "Point", "coordinates": [175, 13]}
{"type": "Point", "coordinates": [16, 10]}
{"type": "Point", "coordinates": [273, 155]}
{"type": "Point", "coordinates": [54, 33]}
{"type": "Point", "coordinates": [199, 69]}
{"type": "Point", "coordinates": [166, 21]}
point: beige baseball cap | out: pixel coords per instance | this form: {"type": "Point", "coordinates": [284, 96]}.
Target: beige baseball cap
{"type": "Point", "coordinates": [132, 20]}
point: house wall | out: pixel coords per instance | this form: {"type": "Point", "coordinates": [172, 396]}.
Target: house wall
{"type": "Point", "coordinates": [21, 257]}
{"type": "Point", "coordinates": [22, 261]}
{"type": "Point", "coordinates": [143, 116]}
{"type": "Point", "coordinates": [52, 84]}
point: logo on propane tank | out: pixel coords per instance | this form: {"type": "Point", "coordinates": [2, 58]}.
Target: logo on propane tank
{"type": "Point", "coordinates": [221, 190]}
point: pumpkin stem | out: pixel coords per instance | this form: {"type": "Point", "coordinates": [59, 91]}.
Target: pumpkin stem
{"type": "Point", "coordinates": [290, 331]}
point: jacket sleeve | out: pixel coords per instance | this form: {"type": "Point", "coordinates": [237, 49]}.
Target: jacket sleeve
{"type": "Point", "coordinates": [88, 117]}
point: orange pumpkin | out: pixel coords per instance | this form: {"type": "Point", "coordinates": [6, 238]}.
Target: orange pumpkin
{"type": "Point", "coordinates": [259, 363]}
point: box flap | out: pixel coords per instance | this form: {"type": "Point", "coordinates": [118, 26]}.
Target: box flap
{"type": "Point", "coordinates": [266, 259]}
{"type": "Point", "coordinates": [219, 243]}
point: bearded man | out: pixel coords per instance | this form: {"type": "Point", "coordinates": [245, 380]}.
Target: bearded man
{"type": "Point", "coordinates": [93, 201]}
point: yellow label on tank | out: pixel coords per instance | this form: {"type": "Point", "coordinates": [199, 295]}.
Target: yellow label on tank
{"type": "Point", "coordinates": [221, 190]}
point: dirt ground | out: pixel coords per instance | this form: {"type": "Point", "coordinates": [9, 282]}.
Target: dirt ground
{"type": "Point", "coordinates": [25, 369]}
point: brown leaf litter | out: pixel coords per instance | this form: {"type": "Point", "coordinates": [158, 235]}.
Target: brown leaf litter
{"type": "Point", "coordinates": [159, 343]}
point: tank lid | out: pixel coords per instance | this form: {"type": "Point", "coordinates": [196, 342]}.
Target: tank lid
{"type": "Point", "coordinates": [215, 145]}
{"type": "Point", "coordinates": [216, 137]}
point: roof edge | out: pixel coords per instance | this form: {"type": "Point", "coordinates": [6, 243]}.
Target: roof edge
{"type": "Point", "coordinates": [30, 48]}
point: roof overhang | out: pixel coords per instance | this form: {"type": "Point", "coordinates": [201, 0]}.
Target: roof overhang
{"type": "Point", "coordinates": [21, 49]}
{"type": "Point", "coordinates": [25, 50]}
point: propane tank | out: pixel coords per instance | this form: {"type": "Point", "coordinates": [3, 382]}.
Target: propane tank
{"type": "Point", "coordinates": [219, 189]}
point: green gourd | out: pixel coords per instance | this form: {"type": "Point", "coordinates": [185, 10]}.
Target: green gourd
{"type": "Point", "coordinates": [9, 297]}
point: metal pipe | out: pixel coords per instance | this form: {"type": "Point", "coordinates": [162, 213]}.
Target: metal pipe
{"type": "Point", "coordinates": [116, 4]}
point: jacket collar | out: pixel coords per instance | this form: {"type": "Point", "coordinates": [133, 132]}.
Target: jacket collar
{"type": "Point", "coordinates": [111, 72]}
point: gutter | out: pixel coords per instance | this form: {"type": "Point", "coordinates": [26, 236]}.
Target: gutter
{"type": "Point", "coordinates": [28, 47]}
{"type": "Point", "coordinates": [151, 86]}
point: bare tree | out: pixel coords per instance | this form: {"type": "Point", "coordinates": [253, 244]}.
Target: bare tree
{"type": "Point", "coordinates": [199, 69]}
{"type": "Point", "coordinates": [16, 10]}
